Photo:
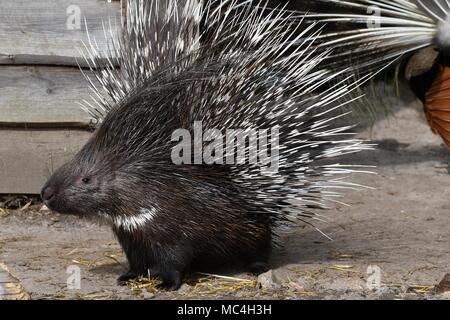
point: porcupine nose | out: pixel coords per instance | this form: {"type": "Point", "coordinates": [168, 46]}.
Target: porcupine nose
{"type": "Point", "coordinates": [47, 194]}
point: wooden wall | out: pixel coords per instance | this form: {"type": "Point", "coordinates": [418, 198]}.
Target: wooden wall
{"type": "Point", "coordinates": [41, 124]}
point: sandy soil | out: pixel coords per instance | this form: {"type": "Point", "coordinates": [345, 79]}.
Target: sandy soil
{"type": "Point", "coordinates": [401, 228]}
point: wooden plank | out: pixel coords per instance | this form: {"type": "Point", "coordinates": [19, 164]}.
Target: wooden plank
{"type": "Point", "coordinates": [42, 95]}
{"type": "Point", "coordinates": [28, 157]}
{"type": "Point", "coordinates": [49, 31]}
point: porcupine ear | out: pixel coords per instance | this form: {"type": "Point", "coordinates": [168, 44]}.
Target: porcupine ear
{"type": "Point", "coordinates": [152, 34]}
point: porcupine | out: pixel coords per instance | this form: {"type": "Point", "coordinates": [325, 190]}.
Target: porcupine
{"type": "Point", "coordinates": [377, 35]}
{"type": "Point", "coordinates": [172, 218]}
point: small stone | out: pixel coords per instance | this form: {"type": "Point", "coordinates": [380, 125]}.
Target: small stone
{"type": "Point", "coordinates": [445, 296]}
{"type": "Point", "coordinates": [296, 287]}
{"type": "Point", "coordinates": [44, 208]}
{"type": "Point", "coordinates": [347, 285]}
{"type": "Point", "coordinates": [388, 293]}
{"type": "Point", "coordinates": [147, 295]}
{"type": "Point", "coordinates": [184, 289]}
{"type": "Point", "coordinates": [305, 284]}
{"type": "Point", "coordinates": [444, 285]}
{"type": "Point", "coordinates": [268, 280]}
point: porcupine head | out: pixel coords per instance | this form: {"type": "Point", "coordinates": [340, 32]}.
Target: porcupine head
{"type": "Point", "coordinates": [171, 217]}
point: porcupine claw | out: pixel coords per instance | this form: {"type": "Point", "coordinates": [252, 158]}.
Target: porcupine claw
{"type": "Point", "coordinates": [171, 281]}
{"type": "Point", "coordinates": [126, 277]}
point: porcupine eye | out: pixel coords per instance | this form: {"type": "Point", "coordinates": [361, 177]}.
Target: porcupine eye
{"type": "Point", "coordinates": [86, 180]}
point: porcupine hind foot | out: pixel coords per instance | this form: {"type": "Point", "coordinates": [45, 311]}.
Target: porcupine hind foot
{"type": "Point", "coordinates": [257, 268]}
{"type": "Point", "coordinates": [171, 278]}
{"type": "Point", "coordinates": [172, 264]}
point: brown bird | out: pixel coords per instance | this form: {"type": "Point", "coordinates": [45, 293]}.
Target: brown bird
{"type": "Point", "coordinates": [433, 88]}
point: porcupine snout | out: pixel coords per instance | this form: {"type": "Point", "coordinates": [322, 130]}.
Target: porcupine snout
{"type": "Point", "coordinates": [47, 194]}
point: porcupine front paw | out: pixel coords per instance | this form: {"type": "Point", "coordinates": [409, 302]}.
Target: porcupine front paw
{"type": "Point", "coordinates": [171, 281]}
{"type": "Point", "coordinates": [131, 275]}
{"type": "Point", "coordinates": [257, 268]}
{"type": "Point", "coordinates": [126, 277]}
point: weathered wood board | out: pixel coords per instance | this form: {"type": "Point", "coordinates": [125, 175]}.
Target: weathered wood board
{"type": "Point", "coordinates": [51, 31]}
{"type": "Point", "coordinates": [28, 157]}
{"type": "Point", "coordinates": [44, 96]}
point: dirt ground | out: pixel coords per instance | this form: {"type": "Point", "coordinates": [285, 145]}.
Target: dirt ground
{"type": "Point", "coordinates": [397, 234]}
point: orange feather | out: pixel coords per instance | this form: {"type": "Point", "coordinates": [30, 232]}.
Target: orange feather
{"type": "Point", "coordinates": [437, 105]}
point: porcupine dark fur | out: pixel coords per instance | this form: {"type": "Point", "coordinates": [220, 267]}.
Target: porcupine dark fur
{"type": "Point", "coordinates": [169, 218]}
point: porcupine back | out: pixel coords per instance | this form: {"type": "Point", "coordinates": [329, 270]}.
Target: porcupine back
{"type": "Point", "coordinates": [235, 74]}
